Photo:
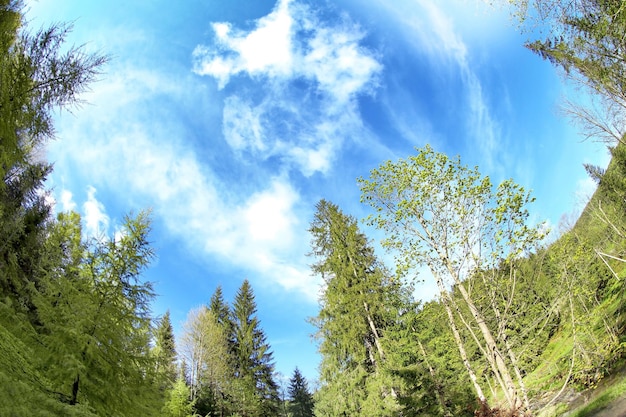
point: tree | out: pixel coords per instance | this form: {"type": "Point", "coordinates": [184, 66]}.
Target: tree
{"type": "Point", "coordinates": [586, 39]}
{"type": "Point", "coordinates": [256, 390]}
{"type": "Point", "coordinates": [300, 399]}
{"type": "Point", "coordinates": [220, 309]}
{"type": "Point", "coordinates": [357, 304]}
{"type": "Point", "coordinates": [164, 350]}
{"type": "Point", "coordinates": [204, 347]}
{"type": "Point", "coordinates": [179, 403]}
{"type": "Point", "coordinates": [446, 216]}
{"type": "Point", "coordinates": [94, 320]}
{"type": "Point", "coordinates": [36, 78]}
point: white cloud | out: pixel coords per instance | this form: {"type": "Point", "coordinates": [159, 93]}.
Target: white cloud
{"type": "Point", "coordinates": [94, 215]}
{"type": "Point", "coordinates": [242, 125]}
{"type": "Point", "coordinates": [146, 164]}
{"type": "Point", "coordinates": [266, 49]}
{"type": "Point", "coordinates": [433, 29]}
{"type": "Point", "coordinates": [67, 201]}
{"type": "Point", "coordinates": [310, 75]}
{"type": "Point", "coordinates": [448, 44]}
{"type": "Point", "coordinates": [269, 214]}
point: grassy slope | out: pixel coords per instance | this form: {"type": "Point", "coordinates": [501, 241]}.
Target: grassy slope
{"type": "Point", "coordinates": [602, 235]}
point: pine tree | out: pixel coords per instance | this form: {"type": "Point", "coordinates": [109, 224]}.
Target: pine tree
{"type": "Point", "coordinates": [257, 392]}
{"type": "Point", "coordinates": [300, 399]}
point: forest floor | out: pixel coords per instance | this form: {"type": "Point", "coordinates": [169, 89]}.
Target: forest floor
{"type": "Point", "coordinates": [608, 400]}
{"type": "Point", "coordinates": [615, 409]}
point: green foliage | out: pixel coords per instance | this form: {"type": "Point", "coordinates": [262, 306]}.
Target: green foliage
{"type": "Point", "coordinates": [94, 319]}
{"type": "Point", "coordinates": [205, 353]}
{"type": "Point", "coordinates": [437, 212]}
{"type": "Point", "coordinates": [441, 214]}
{"type": "Point", "coordinates": [164, 351]}
{"type": "Point", "coordinates": [75, 328]}
{"type": "Point", "coordinates": [429, 365]}
{"type": "Point", "coordinates": [587, 39]}
{"type": "Point", "coordinates": [25, 391]}
{"type": "Point", "coordinates": [300, 399]}
{"type": "Point", "coordinates": [35, 79]}
{"type": "Point", "coordinates": [358, 307]}
{"type": "Point", "coordinates": [178, 403]}
{"type": "Point", "coordinates": [229, 362]}
{"type": "Point", "coordinates": [256, 391]}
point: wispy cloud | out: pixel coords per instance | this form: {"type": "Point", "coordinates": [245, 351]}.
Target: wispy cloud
{"type": "Point", "coordinates": [433, 33]}
{"type": "Point", "coordinates": [449, 45]}
{"type": "Point", "coordinates": [95, 219]}
{"type": "Point", "coordinates": [309, 74]}
{"type": "Point", "coordinates": [144, 162]}
{"type": "Point", "coordinates": [67, 201]}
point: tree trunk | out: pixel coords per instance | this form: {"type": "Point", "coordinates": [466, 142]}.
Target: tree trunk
{"type": "Point", "coordinates": [509, 386]}
{"type": "Point", "coordinates": [75, 385]}
{"type": "Point", "coordinates": [459, 341]}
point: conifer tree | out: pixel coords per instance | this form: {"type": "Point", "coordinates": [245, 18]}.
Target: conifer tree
{"type": "Point", "coordinates": [357, 304]}
{"type": "Point", "coordinates": [36, 78]}
{"type": "Point", "coordinates": [300, 399]}
{"type": "Point", "coordinates": [178, 402]}
{"type": "Point", "coordinates": [256, 392]}
{"type": "Point", "coordinates": [220, 308]}
{"type": "Point", "coordinates": [586, 39]}
{"type": "Point", "coordinates": [164, 351]}
{"type": "Point", "coordinates": [93, 319]}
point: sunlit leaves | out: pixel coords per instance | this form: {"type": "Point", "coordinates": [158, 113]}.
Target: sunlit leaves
{"type": "Point", "coordinates": [438, 212]}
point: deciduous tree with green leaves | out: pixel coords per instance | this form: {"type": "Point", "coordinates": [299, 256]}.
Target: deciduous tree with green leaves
{"type": "Point", "coordinates": [442, 214]}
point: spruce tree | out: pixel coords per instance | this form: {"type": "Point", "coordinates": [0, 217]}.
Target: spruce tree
{"type": "Point", "coordinates": [257, 392]}
{"type": "Point", "coordinates": [164, 351]}
{"type": "Point", "coordinates": [300, 399]}
{"type": "Point", "coordinates": [219, 307]}
{"type": "Point", "coordinates": [357, 307]}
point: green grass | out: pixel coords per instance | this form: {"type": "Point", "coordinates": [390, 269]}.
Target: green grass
{"type": "Point", "coordinates": [603, 398]}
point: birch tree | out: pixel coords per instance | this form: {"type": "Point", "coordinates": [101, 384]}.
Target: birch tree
{"type": "Point", "coordinates": [447, 216]}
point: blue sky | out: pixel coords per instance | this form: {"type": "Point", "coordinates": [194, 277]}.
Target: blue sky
{"type": "Point", "coordinates": [231, 119]}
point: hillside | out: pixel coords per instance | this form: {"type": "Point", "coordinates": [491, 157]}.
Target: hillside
{"type": "Point", "coordinates": [600, 231]}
